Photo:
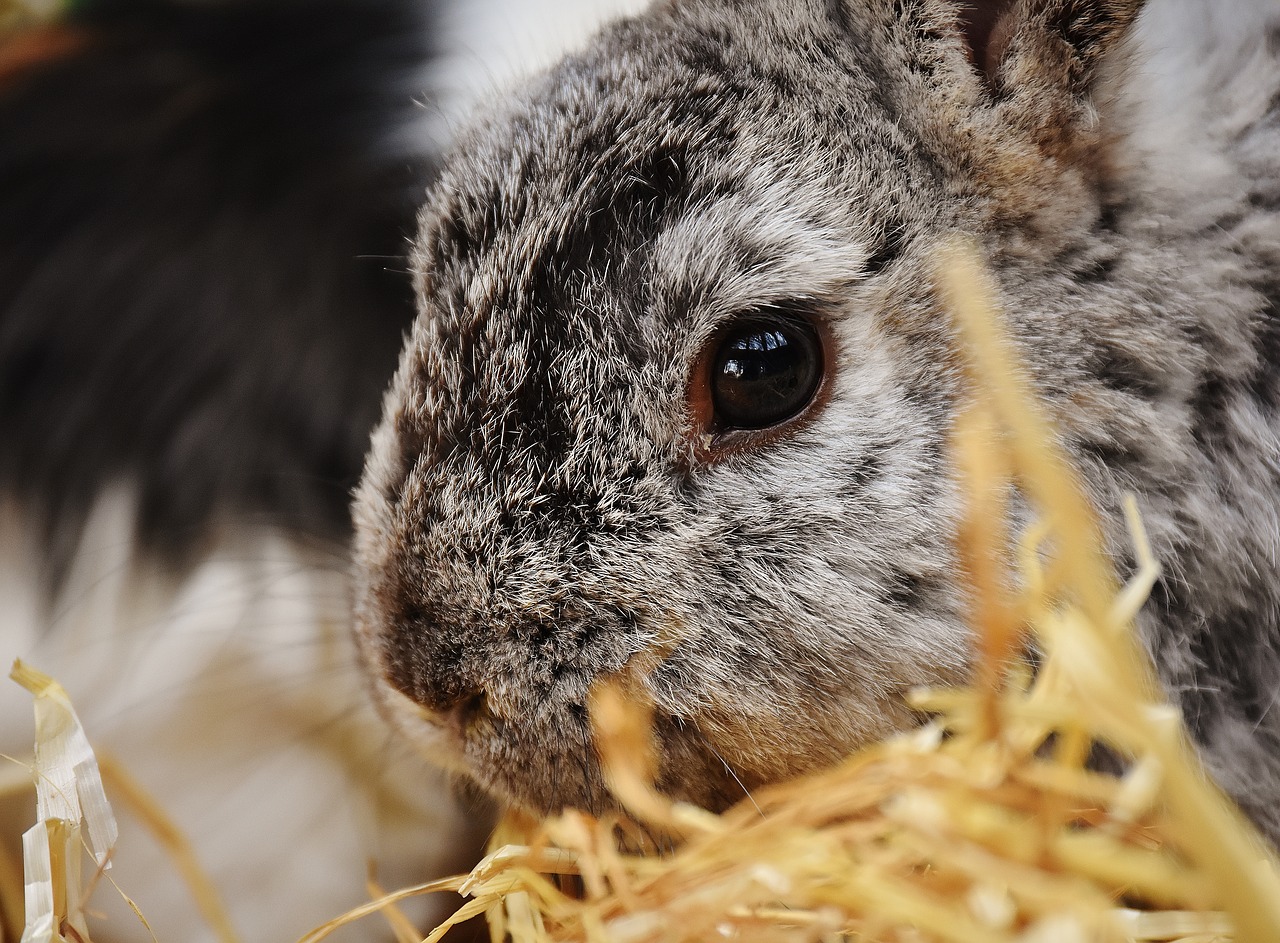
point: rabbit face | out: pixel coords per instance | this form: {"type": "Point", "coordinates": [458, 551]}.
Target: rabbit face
{"type": "Point", "coordinates": [555, 497]}
{"type": "Point", "coordinates": [676, 406]}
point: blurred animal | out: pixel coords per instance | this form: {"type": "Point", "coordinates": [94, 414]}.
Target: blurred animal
{"type": "Point", "coordinates": [205, 210]}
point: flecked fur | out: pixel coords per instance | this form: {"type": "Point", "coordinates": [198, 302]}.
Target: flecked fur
{"type": "Point", "coordinates": [537, 511]}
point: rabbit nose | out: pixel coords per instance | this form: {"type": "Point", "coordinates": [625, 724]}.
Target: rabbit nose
{"type": "Point", "coordinates": [459, 714]}
{"type": "Point", "coordinates": [442, 703]}
{"type": "Point", "coordinates": [457, 707]}
{"type": "Point", "coordinates": [463, 715]}
{"type": "Point", "coordinates": [436, 678]}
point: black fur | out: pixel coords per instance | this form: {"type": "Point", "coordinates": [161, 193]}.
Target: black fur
{"type": "Point", "coordinates": [202, 292]}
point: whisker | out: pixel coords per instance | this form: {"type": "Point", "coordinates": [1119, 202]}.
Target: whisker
{"type": "Point", "coordinates": [727, 767]}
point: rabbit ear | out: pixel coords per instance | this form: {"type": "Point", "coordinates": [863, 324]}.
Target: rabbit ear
{"type": "Point", "coordinates": [1032, 69]}
{"type": "Point", "coordinates": [1053, 46]}
{"type": "Point", "coordinates": [1009, 91]}
{"type": "Point", "coordinates": [1039, 50]}
{"type": "Point", "coordinates": [985, 25]}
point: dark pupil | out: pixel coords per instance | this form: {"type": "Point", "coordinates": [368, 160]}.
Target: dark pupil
{"type": "Point", "coordinates": [764, 373]}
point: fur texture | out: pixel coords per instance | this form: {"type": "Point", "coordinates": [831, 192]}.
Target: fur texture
{"type": "Point", "coordinates": [538, 510]}
{"type": "Point", "coordinates": [205, 209]}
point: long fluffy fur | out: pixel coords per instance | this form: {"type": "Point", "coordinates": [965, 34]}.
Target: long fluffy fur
{"type": "Point", "coordinates": [204, 213]}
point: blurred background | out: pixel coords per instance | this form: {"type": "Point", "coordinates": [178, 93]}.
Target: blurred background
{"type": "Point", "coordinates": [205, 210]}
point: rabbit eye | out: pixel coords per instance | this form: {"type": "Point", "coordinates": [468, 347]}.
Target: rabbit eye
{"type": "Point", "coordinates": [763, 371]}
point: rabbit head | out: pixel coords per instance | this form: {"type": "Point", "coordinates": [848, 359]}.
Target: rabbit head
{"type": "Point", "coordinates": [677, 402]}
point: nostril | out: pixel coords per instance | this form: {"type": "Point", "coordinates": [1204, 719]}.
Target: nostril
{"type": "Point", "coordinates": [463, 710]}
{"type": "Point", "coordinates": [423, 660]}
{"type": "Point", "coordinates": [441, 692]}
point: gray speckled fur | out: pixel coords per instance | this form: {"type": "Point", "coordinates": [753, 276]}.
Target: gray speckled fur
{"type": "Point", "coordinates": [535, 514]}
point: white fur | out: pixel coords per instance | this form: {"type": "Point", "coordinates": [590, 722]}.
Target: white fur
{"type": "Point", "coordinates": [1204, 77]}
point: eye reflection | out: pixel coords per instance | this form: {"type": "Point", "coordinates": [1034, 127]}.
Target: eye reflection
{"type": "Point", "coordinates": [765, 372]}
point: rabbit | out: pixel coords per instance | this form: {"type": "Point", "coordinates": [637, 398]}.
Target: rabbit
{"type": "Point", "coordinates": [677, 403]}
{"type": "Point", "coordinates": [206, 210]}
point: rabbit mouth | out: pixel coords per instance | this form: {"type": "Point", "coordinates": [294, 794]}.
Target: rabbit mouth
{"type": "Point", "coordinates": [427, 731]}
{"type": "Point", "coordinates": [531, 745]}
{"type": "Point", "coordinates": [544, 758]}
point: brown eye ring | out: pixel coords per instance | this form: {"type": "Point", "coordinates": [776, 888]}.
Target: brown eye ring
{"type": "Point", "coordinates": [758, 374]}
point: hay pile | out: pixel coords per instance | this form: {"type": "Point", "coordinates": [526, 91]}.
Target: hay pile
{"type": "Point", "coordinates": [984, 826]}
